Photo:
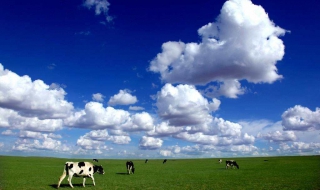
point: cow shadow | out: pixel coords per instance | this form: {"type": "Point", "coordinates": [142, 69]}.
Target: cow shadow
{"type": "Point", "coordinates": [65, 185]}
{"type": "Point", "coordinates": [123, 173]}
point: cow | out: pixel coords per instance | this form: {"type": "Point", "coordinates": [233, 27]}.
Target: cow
{"type": "Point", "coordinates": [146, 161]}
{"type": "Point", "coordinates": [164, 161]}
{"type": "Point", "coordinates": [130, 167]}
{"type": "Point", "coordinates": [95, 160]}
{"type": "Point", "coordinates": [231, 163]}
{"type": "Point", "coordinates": [80, 169]}
{"type": "Point", "coordinates": [220, 161]}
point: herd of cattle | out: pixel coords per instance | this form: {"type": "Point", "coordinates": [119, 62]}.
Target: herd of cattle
{"type": "Point", "coordinates": [87, 169]}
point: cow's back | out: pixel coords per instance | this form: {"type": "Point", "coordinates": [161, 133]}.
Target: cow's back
{"type": "Point", "coordinates": [80, 168]}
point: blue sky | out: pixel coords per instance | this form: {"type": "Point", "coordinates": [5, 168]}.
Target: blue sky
{"type": "Point", "coordinates": [154, 79]}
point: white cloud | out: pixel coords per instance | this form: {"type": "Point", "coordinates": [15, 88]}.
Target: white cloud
{"type": "Point", "coordinates": [199, 138]}
{"type": "Point", "coordinates": [122, 98]}
{"type": "Point", "coordinates": [89, 144]}
{"type": "Point", "coordinates": [95, 116]}
{"type": "Point", "coordinates": [184, 105]}
{"type": "Point", "coordinates": [228, 88]}
{"type": "Point", "coordinates": [138, 122]}
{"type": "Point", "coordinates": [278, 136]}
{"type": "Point", "coordinates": [43, 144]}
{"type": "Point", "coordinates": [100, 7]}
{"type": "Point", "coordinates": [301, 119]}
{"type": "Point", "coordinates": [242, 44]}
{"type": "Point", "coordinates": [98, 97]}
{"type": "Point", "coordinates": [164, 129]}
{"type": "Point", "coordinates": [150, 143]}
{"type": "Point", "coordinates": [32, 98]}
{"type": "Point", "coordinates": [136, 108]}
{"type": "Point", "coordinates": [9, 133]}
{"type": "Point", "coordinates": [12, 120]}
{"type": "Point", "coordinates": [91, 139]}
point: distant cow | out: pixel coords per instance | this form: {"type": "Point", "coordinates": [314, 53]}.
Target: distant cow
{"type": "Point", "coordinates": [80, 169]}
{"type": "Point", "coordinates": [130, 167]}
{"type": "Point", "coordinates": [220, 161]}
{"type": "Point", "coordinates": [95, 160]}
{"type": "Point", "coordinates": [231, 163]}
{"type": "Point", "coordinates": [146, 161]}
{"type": "Point", "coordinates": [164, 161]}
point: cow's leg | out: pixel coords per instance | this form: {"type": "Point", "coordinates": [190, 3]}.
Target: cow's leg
{"type": "Point", "coordinates": [61, 178]}
{"type": "Point", "coordinates": [84, 182]}
{"type": "Point", "coordinates": [94, 184]}
{"type": "Point", "coordinates": [70, 178]}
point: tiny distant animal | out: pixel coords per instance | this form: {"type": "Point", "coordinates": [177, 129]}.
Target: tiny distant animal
{"type": "Point", "coordinates": [164, 161]}
{"type": "Point", "coordinates": [95, 160]}
{"type": "Point", "coordinates": [231, 163]}
{"type": "Point", "coordinates": [220, 161]}
{"type": "Point", "coordinates": [130, 167]}
{"type": "Point", "coordinates": [146, 161]}
{"type": "Point", "coordinates": [80, 169]}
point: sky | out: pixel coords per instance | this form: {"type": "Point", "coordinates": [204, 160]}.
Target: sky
{"type": "Point", "coordinates": [159, 79]}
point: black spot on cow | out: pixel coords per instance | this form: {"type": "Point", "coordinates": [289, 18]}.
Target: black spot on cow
{"type": "Point", "coordinates": [70, 166]}
{"type": "Point", "coordinates": [80, 164]}
{"type": "Point", "coordinates": [81, 172]}
{"type": "Point", "coordinates": [90, 169]}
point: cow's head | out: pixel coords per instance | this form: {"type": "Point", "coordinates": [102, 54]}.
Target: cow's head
{"type": "Point", "coordinates": [99, 169]}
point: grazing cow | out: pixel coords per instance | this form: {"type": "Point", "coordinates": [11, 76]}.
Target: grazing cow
{"type": "Point", "coordinates": [146, 161]}
{"type": "Point", "coordinates": [231, 163]}
{"type": "Point", "coordinates": [95, 160]}
{"type": "Point", "coordinates": [164, 161]}
{"type": "Point", "coordinates": [80, 169]}
{"type": "Point", "coordinates": [130, 167]}
{"type": "Point", "coordinates": [220, 161]}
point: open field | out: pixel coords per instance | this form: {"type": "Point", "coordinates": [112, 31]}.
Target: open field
{"type": "Point", "coordinates": [301, 172]}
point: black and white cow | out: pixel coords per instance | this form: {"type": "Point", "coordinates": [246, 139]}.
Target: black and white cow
{"type": "Point", "coordinates": [95, 160]}
{"type": "Point", "coordinates": [164, 161]}
{"type": "Point", "coordinates": [231, 163]}
{"type": "Point", "coordinates": [80, 169]}
{"type": "Point", "coordinates": [220, 161]}
{"type": "Point", "coordinates": [130, 167]}
{"type": "Point", "coordinates": [146, 161]}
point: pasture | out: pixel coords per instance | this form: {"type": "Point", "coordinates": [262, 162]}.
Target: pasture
{"type": "Point", "coordinates": [299, 172]}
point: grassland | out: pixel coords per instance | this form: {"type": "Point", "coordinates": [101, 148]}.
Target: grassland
{"type": "Point", "coordinates": [37, 173]}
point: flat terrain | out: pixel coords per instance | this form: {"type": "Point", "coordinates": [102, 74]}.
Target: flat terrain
{"type": "Point", "coordinates": [301, 172]}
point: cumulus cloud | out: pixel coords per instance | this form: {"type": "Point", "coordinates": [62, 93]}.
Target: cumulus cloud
{"type": "Point", "coordinates": [138, 122]}
{"type": "Point", "coordinates": [301, 119]}
{"type": "Point", "coordinates": [136, 108]}
{"type": "Point", "coordinates": [164, 129]}
{"type": "Point", "coordinates": [278, 136]}
{"type": "Point", "coordinates": [12, 120]}
{"type": "Point", "coordinates": [25, 144]}
{"type": "Point", "coordinates": [122, 98]}
{"type": "Point", "coordinates": [184, 105]}
{"type": "Point", "coordinates": [199, 138]}
{"type": "Point", "coordinates": [98, 97]}
{"type": "Point", "coordinates": [8, 133]}
{"type": "Point", "coordinates": [32, 98]}
{"type": "Point", "coordinates": [102, 136]}
{"type": "Point", "coordinates": [227, 88]}
{"type": "Point", "coordinates": [150, 143]}
{"type": "Point", "coordinates": [243, 44]}
{"type": "Point", "coordinates": [95, 116]}
{"type": "Point", "coordinates": [299, 147]}
{"type": "Point", "coordinates": [100, 7]}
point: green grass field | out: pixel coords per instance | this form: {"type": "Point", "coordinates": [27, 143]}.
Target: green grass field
{"type": "Point", "coordinates": [301, 172]}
